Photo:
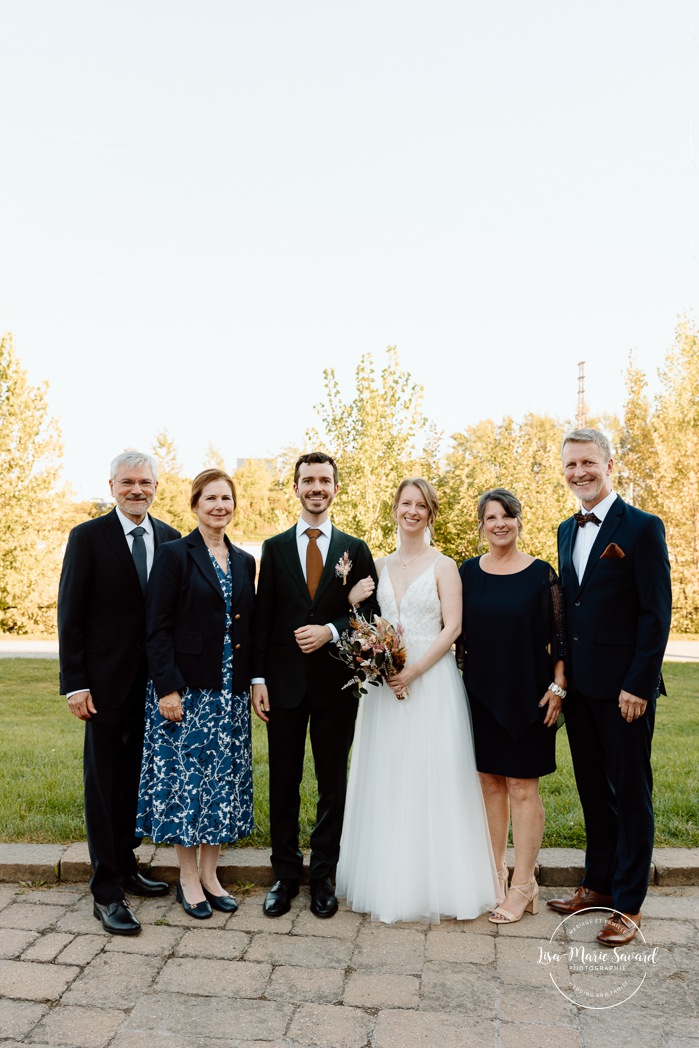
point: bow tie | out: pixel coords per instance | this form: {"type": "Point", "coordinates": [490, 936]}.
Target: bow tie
{"type": "Point", "coordinates": [581, 519]}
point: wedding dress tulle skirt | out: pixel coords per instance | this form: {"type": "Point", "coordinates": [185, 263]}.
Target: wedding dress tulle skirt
{"type": "Point", "coordinates": [415, 842]}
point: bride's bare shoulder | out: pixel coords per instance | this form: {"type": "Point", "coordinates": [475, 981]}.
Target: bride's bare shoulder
{"type": "Point", "coordinates": [445, 566]}
{"type": "Point", "coordinates": [379, 564]}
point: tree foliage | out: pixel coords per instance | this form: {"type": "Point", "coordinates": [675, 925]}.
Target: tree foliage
{"type": "Point", "coordinates": [172, 500]}
{"type": "Point", "coordinates": [378, 437]}
{"type": "Point", "coordinates": [262, 506]}
{"type": "Point", "coordinates": [675, 469]}
{"type": "Point", "coordinates": [636, 456]}
{"type": "Point", "coordinates": [659, 462]}
{"type": "Point", "coordinates": [525, 458]}
{"type": "Point", "coordinates": [36, 509]}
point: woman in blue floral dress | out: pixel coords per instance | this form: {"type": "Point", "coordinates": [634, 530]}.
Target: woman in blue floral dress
{"type": "Point", "coordinates": [196, 775]}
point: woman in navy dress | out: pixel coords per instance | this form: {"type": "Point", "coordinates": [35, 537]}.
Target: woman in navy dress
{"type": "Point", "coordinates": [514, 673]}
{"type": "Point", "coordinates": [196, 775]}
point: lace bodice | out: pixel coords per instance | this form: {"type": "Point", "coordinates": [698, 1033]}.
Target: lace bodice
{"type": "Point", "coordinates": [420, 611]}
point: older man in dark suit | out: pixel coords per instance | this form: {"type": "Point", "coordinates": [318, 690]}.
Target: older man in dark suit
{"type": "Point", "coordinates": [101, 633]}
{"type": "Point", "coordinates": [616, 583]}
{"type": "Point", "coordinates": [301, 608]}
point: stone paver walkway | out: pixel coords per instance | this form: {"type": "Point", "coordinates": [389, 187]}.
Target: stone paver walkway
{"type": "Point", "coordinates": [296, 982]}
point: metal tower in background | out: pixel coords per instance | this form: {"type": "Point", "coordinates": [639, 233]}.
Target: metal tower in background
{"type": "Point", "coordinates": [582, 406]}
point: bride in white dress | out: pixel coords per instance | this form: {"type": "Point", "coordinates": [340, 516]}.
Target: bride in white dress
{"type": "Point", "coordinates": [415, 842]}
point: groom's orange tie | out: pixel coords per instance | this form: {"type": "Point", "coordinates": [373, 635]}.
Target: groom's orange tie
{"type": "Point", "coordinates": [314, 561]}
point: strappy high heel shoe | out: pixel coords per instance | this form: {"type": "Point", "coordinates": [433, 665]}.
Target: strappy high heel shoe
{"type": "Point", "coordinates": [529, 892]}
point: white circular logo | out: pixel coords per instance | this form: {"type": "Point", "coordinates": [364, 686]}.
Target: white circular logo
{"type": "Point", "coordinates": [590, 974]}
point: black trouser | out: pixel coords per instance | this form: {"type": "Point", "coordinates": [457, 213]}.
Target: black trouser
{"type": "Point", "coordinates": [611, 759]}
{"type": "Point", "coordinates": [111, 772]}
{"type": "Point", "coordinates": [332, 731]}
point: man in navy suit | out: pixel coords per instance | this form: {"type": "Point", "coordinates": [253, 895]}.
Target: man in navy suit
{"type": "Point", "coordinates": [103, 674]}
{"type": "Point", "coordinates": [616, 583]}
{"type": "Point", "coordinates": [300, 609]}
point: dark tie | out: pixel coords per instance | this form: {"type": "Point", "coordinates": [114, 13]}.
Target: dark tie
{"type": "Point", "coordinates": [314, 561]}
{"type": "Point", "coordinates": [581, 519]}
{"type": "Point", "coordinates": [138, 551]}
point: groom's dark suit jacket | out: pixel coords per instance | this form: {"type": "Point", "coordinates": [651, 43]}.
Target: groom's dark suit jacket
{"type": "Point", "coordinates": [101, 611]}
{"type": "Point", "coordinates": [618, 617]}
{"type": "Point", "coordinates": [283, 604]}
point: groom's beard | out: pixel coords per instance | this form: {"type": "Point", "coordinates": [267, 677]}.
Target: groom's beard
{"type": "Point", "coordinates": [316, 507]}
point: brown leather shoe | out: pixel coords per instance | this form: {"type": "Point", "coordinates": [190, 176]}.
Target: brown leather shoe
{"type": "Point", "coordinates": [581, 899]}
{"type": "Point", "coordinates": [620, 929]}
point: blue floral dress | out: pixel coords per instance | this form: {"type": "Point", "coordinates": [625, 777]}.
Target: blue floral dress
{"type": "Point", "coordinates": [196, 774]}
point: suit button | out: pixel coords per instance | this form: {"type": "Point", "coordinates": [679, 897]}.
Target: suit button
{"type": "Point", "coordinates": [237, 647]}
{"type": "Point", "coordinates": [577, 604]}
{"type": "Point", "coordinates": [236, 617]}
{"type": "Point", "coordinates": [576, 637]}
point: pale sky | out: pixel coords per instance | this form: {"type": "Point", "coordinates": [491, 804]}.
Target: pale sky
{"type": "Point", "coordinates": [204, 205]}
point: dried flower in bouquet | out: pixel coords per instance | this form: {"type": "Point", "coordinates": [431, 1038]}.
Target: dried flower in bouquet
{"type": "Point", "coordinates": [374, 650]}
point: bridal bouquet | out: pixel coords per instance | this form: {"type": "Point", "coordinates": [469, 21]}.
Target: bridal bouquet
{"type": "Point", "coordinates": [374, 650]}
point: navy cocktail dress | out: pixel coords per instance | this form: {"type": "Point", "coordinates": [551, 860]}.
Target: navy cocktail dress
{"type": "Point", "coordinates": [514, 633]}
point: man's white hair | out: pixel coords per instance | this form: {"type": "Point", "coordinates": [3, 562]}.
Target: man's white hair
{"type": "Point", "coordinates": [130, 460]}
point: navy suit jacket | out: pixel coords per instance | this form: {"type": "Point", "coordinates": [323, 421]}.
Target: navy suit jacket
{"type": "Point", "coordinates": [283, 604]}
{"type": "Point", "coordinates": [618, 617]}
{"type": "Point", "coordinates": [101, 611]}
{"type": "Point", "coordinates": [186, 617]}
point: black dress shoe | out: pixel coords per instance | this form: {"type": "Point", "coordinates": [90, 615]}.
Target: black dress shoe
{"type": "Point", "coordinates": [224, 903]}
{"type": "Point", "coordinates": [278, 898]}
{"type": "Point", "coordinates": [117, 918]}
{"type": "Point", "coordinates": [323, 898]}
{"type": "Point", "coordinates": [137, 884]}
{"type": "Point", "coordinates": [200, 910]}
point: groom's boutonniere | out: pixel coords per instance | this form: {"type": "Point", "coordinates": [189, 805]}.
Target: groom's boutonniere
{"type": "Point", "coordinates": [343, 567]}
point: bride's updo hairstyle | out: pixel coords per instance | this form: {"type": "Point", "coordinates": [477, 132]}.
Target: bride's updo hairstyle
{"type": "Point", "coordinates": [509, 502]}
{"type": "Point", "coordinates": [429, 494]}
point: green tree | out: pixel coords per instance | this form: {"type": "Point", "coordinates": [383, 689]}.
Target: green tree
{"type": "Point", "coordinates": [214, 459]}
{"type": "Point", "coordinates": [377, 438]}
{"type": "Point", "coordinates": [676, 481]}
{"type": "Point", "coordinates": [262, 506]}
{"type": "Point", "coordinates": [172, 500]}
{"type": "Point", "coordinates": [635, 477]}
{"type": "Point", "coordinates": [35, 506]}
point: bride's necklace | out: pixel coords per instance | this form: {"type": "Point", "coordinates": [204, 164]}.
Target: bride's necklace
{"type": "Point", "coordinates": [412, 560]}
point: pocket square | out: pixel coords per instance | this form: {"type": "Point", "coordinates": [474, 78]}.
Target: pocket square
{"type": "Point", "coordinates": [613, 550]}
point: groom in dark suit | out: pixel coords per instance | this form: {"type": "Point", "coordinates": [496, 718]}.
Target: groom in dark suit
{"type": "Point", "coordinates": [103, 674]}
{"type": "Point", "coordinates": [616, 583]}
{"type": "Point", "coordinates": [301, 608]}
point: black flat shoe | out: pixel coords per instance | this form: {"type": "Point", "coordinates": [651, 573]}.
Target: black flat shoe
{"type": "Point", "coordinates": [278, 898]}
{"type": "Point", "coordinates": [117, 918]}
{"type": "Point", "coordinates": [201, 910]}
{"type": "Point", "coordinates": [224, 903]}
{"type": "Point", "coordinates": [137, 884]}
{"type": "Point", "coordinates": [323, 899]}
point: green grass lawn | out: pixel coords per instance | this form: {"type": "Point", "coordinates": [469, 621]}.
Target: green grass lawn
{"type": "Point", "coordinates": [41, 765]}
